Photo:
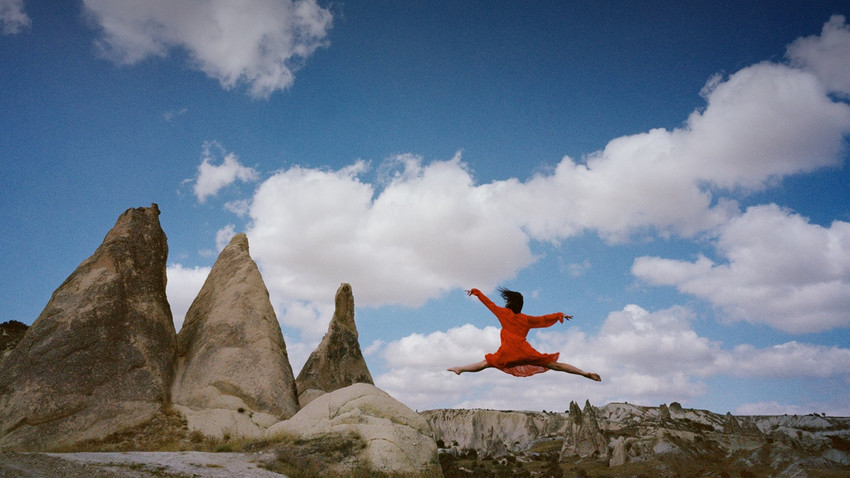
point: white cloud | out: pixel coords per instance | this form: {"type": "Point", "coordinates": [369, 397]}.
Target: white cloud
{"type": "Point", "coordinates": [643, 357]}
{"type": "Point", "coordinates": [259, 44]}
{"type": "Point", "coordinates": [424, 229]}
{"type": "Point", "coordinates": [182, 287]}
{"type": "Point", "coordinates": [212, 178]}
{"type": "Point", "coordinates": [428, 231]}
{"type": "Point", "coordinates": [782, 271]}
{"type": "Point", "coordinates": [13, 18]}
{"type": "Point", "coordinates": [827, 55]}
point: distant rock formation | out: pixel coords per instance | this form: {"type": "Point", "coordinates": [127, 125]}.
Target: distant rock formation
{"type": "Point", "coordinates": [653, 441]}
{"type": "Point", "coordinates": [494, 432]}
{"type": "Point", "coordinates": [99, 359]}
{"type": "Point", "coordinates": [233, 372]}
{"type": "Point", "coordinates": [582, 437]}
{"type": "Point", "coordinates": [337, 362]}
{"type": "Point", "coordinates": [11, 333]}
{"type": "Point", "coordinates": [396, 440]}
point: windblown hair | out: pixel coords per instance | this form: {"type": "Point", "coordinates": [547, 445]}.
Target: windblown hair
{"type": "Point", "coordinates": [513, 299]}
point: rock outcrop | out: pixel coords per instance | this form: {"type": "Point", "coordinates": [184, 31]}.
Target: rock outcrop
{"type": "Point", "coordinates": [11, 333]}
{"type": "Point", "coordinates": [99, 359]}
{"type": "Point", "coordinates": [233, 372]}
{"type": "Point", "coordinates": [493, 433]}
{"type": "Point", "coordinates": [396, 439]}
{"type": "Point", "coordinates": [337, 362]}
{"type": "Point", "coordinates": [653, 441]}
{"type": "Point", "coordinates": [582, 437]}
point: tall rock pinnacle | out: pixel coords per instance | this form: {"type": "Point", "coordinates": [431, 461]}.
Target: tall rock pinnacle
{"type": "Point", "coordinates": [231, 352]}
{"type": "Point", "coordinates": [337, 362]}
{"type": "Point", "coordinates": [99, 358]}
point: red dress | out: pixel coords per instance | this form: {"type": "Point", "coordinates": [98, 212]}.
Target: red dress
{"type": "Point", "coordinates": [516, 356]}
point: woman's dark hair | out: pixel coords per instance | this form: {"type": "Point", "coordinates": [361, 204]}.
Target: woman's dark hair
{"type": "Point", "coordinates": [513, 299]}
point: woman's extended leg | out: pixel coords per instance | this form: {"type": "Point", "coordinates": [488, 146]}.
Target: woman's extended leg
{"type": "Point", "coordinates": [473, 367]}
{"type": "Point", "coordinates": [565, 367]}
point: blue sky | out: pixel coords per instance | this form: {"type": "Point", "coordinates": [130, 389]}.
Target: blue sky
{"type": "Point", "coordinates": [674, 176]}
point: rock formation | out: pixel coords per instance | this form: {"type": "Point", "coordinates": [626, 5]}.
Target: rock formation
{"type": "Point", "coordinates": [397, 440]}
{"type": "Point", "coordinates": [493, 432]}
{"type": "Point", "coordinates": [653, 441]}
{"type": "Point", "coordinates": [233, 372]}
{"type": "Point", "coordinates": [337, 362]}
{"type": "Point", "coordinates": [11, 333]}
{"type": "Point", "coordinates": [582, 437]}
{"type": "Point", "coordinates": [99, 358]}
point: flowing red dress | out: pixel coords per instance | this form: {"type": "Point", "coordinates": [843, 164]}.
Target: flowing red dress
{"type": "Point", "coordinates": [515, 355]}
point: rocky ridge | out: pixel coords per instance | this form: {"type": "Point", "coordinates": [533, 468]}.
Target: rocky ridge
{"type": "Point", "coordinates": [654, 440]}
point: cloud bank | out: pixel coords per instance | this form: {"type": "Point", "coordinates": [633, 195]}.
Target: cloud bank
{"type": "Point", "coordinates": [779, 270]}
{"type": "Point", "coordinates": [260, 47]}
{"type": "Point", "coordinates": [643, 357]}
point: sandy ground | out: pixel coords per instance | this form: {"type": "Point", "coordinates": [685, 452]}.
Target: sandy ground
{"type": "Point", "coordinates": [135, 465]}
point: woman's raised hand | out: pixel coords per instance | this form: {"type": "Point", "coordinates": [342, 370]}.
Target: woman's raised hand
{"type": "Point", "coordinates": [473, 292]}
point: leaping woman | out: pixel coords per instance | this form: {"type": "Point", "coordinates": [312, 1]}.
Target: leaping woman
{"type": "Point", "coordinates": [515, 355]}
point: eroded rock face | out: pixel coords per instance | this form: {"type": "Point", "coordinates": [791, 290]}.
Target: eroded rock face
{"type": "Point", "coordinates": [397, 439]}
{"type": "Point", "coordinates": [494, 432]}
{"type": "Point", "coordinates": [99, 358]}
{"type": "Point", "coordinates": [583, 437]}
{"type": "Point", "coordinates": [337, 362]}
{"type": "Point", "coordinates": [233, 372]}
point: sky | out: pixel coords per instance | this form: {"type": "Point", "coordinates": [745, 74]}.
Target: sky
{"type": "Point", "coordinates": [672, 174]}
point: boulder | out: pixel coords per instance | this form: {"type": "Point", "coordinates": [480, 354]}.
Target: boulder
{"type": "Point", "coordinates": [582, 436]}
{"type": "Point", "coordinates": [337, 362]}
{"type": "Point", "coordinates": [397, 440]}
{"type": "Point", "coordinates": [233, 373]}
{"type": "Point", "coordinates": [99, 359]}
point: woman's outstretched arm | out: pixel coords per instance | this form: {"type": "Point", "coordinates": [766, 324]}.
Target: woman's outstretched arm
{"type": "Point", "coordinates": [485, 300]}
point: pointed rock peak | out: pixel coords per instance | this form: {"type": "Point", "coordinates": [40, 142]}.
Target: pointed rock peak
{"type": "Point", "coordinates": [575, 412]}
{"type": "Point", "coordinates": [344, 308]}
{"type": "Point", "coordinates": [337, 362]}
{"type": "Point", "coordinates": [99, 358]}
{"type": "Point", "coordinates": [240, 241]}
{"type": "Point", "coordinates": [231, 352]}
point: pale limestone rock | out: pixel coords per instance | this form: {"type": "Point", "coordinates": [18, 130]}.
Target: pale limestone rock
{"type": "Point", "coordinates": [398, 440]}
{"type": "Point", "coordinates": [337, 362]}
{"type": "Point", "coordinates": [494, 432]}
{"type": "Point", "coordinates": [99, 359]}
{"type": "Point", "coordinates": [233, 370]}
{"type": "Point", "coordinates": [583, 437]}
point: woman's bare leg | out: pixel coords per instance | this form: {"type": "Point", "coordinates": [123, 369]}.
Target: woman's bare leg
{"type": "Point", "coordinates": [473, 367]}
{"type": "Point", "coordinates": [565, 367]}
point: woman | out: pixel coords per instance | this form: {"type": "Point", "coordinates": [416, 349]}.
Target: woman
{"type": "Point", "coordinates": [515, 355]}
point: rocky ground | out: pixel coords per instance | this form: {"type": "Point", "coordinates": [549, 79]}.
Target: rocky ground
{"type": "Point", "coordinates": [135, 465]}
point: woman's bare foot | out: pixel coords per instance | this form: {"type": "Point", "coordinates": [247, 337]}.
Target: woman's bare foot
{"type": "Point", "coordinates": [456, 370]}
{"type": "Point", "coordinates": [594, 376]}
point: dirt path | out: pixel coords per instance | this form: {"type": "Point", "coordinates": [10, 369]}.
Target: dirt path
{"type": "Point", "coordinates": [188, 464]}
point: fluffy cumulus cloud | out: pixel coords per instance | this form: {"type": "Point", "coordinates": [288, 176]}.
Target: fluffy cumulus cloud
{"type": "Point", "coordinates": [827, 55]}
{"type": "Point", "coordinates": [778, 269]}
{"type": "Point", "coordinates": [422, 229]}
{"type": "Point", "coordinates": [643, 357]}
{"type": "Point", "coordinates": [13, 18]}
{"type": "Point", "coordinates": [211, 178]}
{"type": "Point", "coordinates": [430, 229]}
{"type": "Point", "coordinates": [259, 45]}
